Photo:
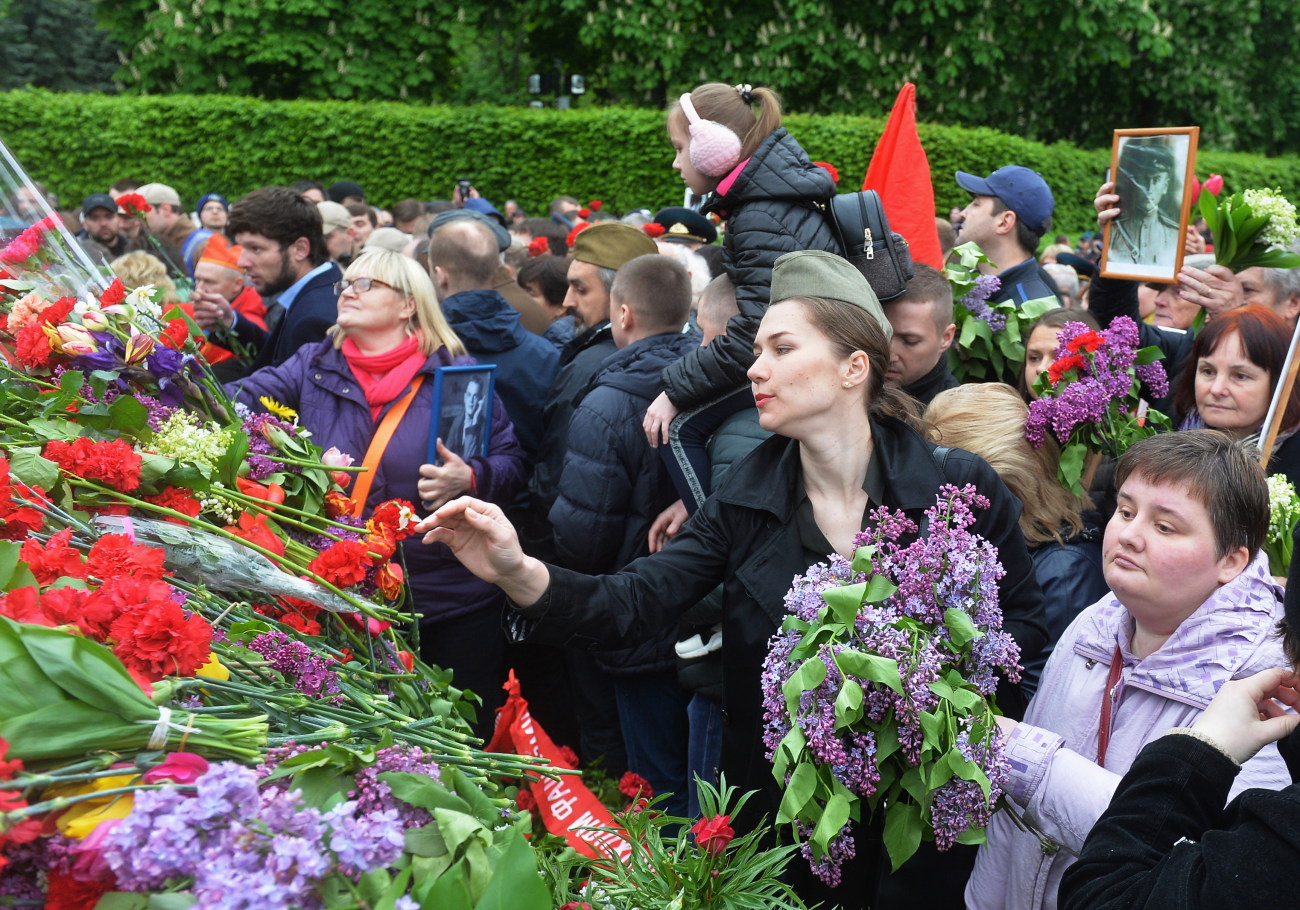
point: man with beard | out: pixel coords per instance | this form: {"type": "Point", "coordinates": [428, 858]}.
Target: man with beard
{"type": "Point", "coordinates": [99, 224]}
{"type": "Point", "coordinates": [284, 256]}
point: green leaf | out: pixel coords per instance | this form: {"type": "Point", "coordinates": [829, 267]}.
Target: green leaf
{"type": "Point", "coordinates": [845, 601]}
{"type": "Point", "coordinates": [178, 900]}
{"type": "Point", "coordinates": [34, 470]}
{"type": "Point", "coordinates": [879, 589]}
{"type": "Point", "coordinates": [961, 626]}
{"type": "Point", "coordinates": [932, 729]}
{"type": "Point", "coordinates": [848, 705]}
{"type": "Point", "coordinates": [459, 830]}
{"type": "Point", "coordinates": [883, 670]}
{"type": "Point", "coordinates": [798, 792]}
{"type": "Point", "coordinates": [902, 832]}
{"type": "Point", "coordinates": [515, 884]}
{"type": "Point", "coordinates": [1070, 469]}
{"type": "Point", "coordinates": [426, 841]}
{"type": "Point", "coordinates": [128, 415]}
{"type": "Point", "coordinates": [810, 675]}
{"type": "Point", "coordinates": [122, 900]}
{"type": "Point", "coordinates": [834, 817]}
{"type": "Point", "coordinates": [1148, 354]}
{"type": "Point", "coordinates": [422, 791]}
{"type": "Point", "coordinates": [9, 552]}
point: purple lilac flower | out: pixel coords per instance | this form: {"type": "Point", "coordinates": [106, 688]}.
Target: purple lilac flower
{"type": "Point", "coordinates": [310, 673]}
{"type": "Point", "coordinates": [364, 842]}
{"type": "Point", "coordinates": [20, 880]}
{"type": "Point", "coordinates": [976, 301]}
{"type": "Point", "coordinates": [373, 795]}
{"type": "Point", "coordinates": [840, 848]}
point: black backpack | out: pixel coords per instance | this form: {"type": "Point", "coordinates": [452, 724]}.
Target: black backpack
{"type": "Point", "coordinates": [859, 223]}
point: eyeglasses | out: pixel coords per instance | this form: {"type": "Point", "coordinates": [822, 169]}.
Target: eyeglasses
{"type": "Point", "coordinates": [361, 285]}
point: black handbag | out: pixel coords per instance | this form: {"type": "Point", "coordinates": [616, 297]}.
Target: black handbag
{"type": "Point", "coordinates": [858, 220]}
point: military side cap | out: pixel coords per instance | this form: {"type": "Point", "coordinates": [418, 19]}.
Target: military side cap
{"type": "Point", "coordinates": [816, 273]}
{"type": "Point", "coordinates": [610, 244]}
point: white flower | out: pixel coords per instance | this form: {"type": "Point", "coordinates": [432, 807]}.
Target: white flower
{"type": "Point", "coordinates": [1281, 228]}
{"type": "Point", "coordinates": [142, 299]}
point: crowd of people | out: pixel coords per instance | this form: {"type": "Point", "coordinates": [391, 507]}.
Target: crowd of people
{"type": "Point", "coordinates": [689, 407]}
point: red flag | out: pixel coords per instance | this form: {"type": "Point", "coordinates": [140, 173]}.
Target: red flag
{"type": "Point", "coordinates": [566, 805]}
{"type": "Point", "coordinates": [900, 173]}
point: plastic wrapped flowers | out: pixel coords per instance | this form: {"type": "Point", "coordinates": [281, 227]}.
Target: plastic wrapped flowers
{"type": "Point", "coordinates": [878, 689]}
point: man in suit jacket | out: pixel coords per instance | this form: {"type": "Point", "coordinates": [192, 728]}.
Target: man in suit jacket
{"type": "Point", "coordinates": [284, 256]}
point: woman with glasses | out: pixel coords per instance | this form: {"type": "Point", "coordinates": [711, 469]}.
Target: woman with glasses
{"type": "Point", "coordinates": [389, 340]}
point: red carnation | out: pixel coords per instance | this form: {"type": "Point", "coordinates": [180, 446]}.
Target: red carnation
{"type": "Point", "coordinates": [344, 564]}
{"type": "Point", "coordinates": [569, 757]}
{"type": "Point", "coordinates": [156, 639]}
{"type": "Point", "coordinates": [32, 348]}
{"type": "Point", "coordinates": [633, 786]}
{"type": "Point", "coordinates": [115, 597]}
{"type": "Point", "coordinates": [117, 556]}
{"type": "Point", "coordinates": [54, 560]}
{"type": "Point", "coordinates": [65, 606]}
{"type": "Point", "coordinates": [176, 334]}
{"type": "Point", "coordinates": [300, 623]}
{"type": "Point", "coordinates": [133, 204]}
{"type": "Point", "coordinates": [398, 515]}
{"type": "Point", "coordinates": [525, 800]}
{"type": "Point", "coordinates": [115, 294]}
{"type": "Point", "coordinates": [58, 311]}
{"type": "Point", "coordinates": [178, 499]}
{"type": "Point", "coordinates": [113, 463]}
{"type": "Point", "coordinates": [539, 246]}
{"type": "Point", "coordinates": [1062, 366]}
{"type": "Point", "coordinates": [63, 892]}
{"type": "Point", "coordinates": [584, 213]}
{"type": "Point", "coordinates": [595, 205]}
{"type": "Point", "coordinates": [713, 834]}
{"type": "Point", "coordinates": [1088, 341]}
{"type": "Point", "coordinates": [573, 234]}
{"type": "Point", "coordinates": [653, 229]}
{"type": "Point", "coordinates": [23, 605]}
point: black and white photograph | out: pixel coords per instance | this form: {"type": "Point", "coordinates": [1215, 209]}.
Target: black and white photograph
{"type": "Point", "coordinates": [462, 414]}
{"type": "Point", "coordinates": [1152, 171]}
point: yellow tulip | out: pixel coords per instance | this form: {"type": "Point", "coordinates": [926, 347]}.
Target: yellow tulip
{"type": "Point", "coordinates": [214, 668]}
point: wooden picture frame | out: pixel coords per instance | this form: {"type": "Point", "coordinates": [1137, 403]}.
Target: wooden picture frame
{"type": "Point", "coordinates": [1154, 171]}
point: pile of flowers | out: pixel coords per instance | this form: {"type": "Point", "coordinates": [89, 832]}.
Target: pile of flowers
{"type": "Point", "coordinates": [1090, 397]}
{"type": "Point", "coordinates": [878, 690]}
{"type": "Point", "coordinates": [1251, 228]}
{"type": "Point", "coordinates": [989, 346]}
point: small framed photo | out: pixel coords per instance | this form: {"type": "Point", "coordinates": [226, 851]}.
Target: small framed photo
{"type": "Point", "coordinates": [462, 411]}
{"type": "Point", "coordinates": [1153, 171]}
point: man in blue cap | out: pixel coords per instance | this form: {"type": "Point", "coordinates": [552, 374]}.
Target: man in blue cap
{"type": "Point", "coordinates": [1009, 215]}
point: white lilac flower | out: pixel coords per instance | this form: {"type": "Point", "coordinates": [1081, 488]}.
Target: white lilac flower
{"type": "Point", "coordinates": [184, 437]}
{"type": "Point", "coordinates": [1281, 228]}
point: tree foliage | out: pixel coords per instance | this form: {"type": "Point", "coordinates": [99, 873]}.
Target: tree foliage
{"type": "Point", "coordinates": [1045, 70]}
{"type": "Point", "coordinates": [54, 44]}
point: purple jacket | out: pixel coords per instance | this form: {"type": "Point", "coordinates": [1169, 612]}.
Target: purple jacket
{"type": "Point", "coordinates": [318, 384]}
{"type": "Point", "coordinates": [1056, 783]}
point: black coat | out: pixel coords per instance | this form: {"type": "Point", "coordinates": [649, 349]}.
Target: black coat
{"type": "Point", "coordinates": [613, 484]}
{"type": "Point", "coordinates": [772, 208]}
{"type": "Point", "coordinates": [1168, 843]}
{"type": "Point", "coordinates": [312, 312]}
{"type": "Point", "coordinates": [746, 536]}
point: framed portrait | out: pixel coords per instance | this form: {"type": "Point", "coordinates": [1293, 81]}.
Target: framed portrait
{"type": "Point", "coordinates": [1153, 171]}
{"type": "Point", "coordinates": [462, 411]}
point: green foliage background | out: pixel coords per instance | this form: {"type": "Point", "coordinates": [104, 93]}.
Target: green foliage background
{"type": "Point", "coordinates": [79, 144]}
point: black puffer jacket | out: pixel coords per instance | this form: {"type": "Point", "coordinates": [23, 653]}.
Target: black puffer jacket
{"type": "Point", "coordinates": [770, 209]}
{"type": "Point", "coordinates": [613, 484]}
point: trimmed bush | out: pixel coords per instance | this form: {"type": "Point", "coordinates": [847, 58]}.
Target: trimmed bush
{"type": "Point", "coordinates": [77, 144]}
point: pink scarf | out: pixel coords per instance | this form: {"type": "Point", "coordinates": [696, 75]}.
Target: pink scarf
{"type": "Point", "coordinates": [387, 376]}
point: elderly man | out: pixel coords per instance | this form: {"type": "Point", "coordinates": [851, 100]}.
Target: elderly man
{"type": "Point", "coordinates": [220, 283]}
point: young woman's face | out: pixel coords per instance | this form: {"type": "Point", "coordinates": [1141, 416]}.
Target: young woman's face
{"type": "Point", "coordinates": [1232, 392]}
{"type": "Point", "coordinates": [1159, 555]}
{"type": "Point", "coordinates": [1040, 351]}
{"type": "Point", "coordinates": [798, 376]}
{"type": "Point", "coordinates": [680, 136]}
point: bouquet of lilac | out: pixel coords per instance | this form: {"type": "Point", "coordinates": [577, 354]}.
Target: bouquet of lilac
{"type": "Point", "coordinates": [989, 345]}
{"type": "Point", "coordinates": [1090, 397]}
{"type": "Point", "coordinates": [878, 689]}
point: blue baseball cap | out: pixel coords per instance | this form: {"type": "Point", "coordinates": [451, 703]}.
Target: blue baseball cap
{"type": "Point", "coordinates": [1023, 191]}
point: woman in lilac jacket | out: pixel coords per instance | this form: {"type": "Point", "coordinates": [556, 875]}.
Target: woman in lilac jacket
{"type": "Point", "coordinates": [390, 331]}
{"type": "Point", "coordinates": [1192, 606]}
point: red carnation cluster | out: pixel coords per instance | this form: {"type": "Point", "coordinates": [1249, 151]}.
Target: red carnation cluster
{"type": "Point", "coordinates": [16, 521]}
{"type": "Point", "coordinates": [539, 246]}
{"type": "Point", "coordinates": [133, 204]}
{"type": "Point", "coordinates": [113, 463]}
{"type": "Point", "coordinates": [1087, 341]}
{"type": "Point", "coordinates": [634, 786]}
{"type": "Point", "coordinates": [32, 346]}
{"type": "Point", "coordinates": [175, 335]}
{"type": "Point", "coordinates": [178, 499]}
{"type": "Point", "coordinates": [10, 801]}
{"type": "Point", "coordinates": [343, 565]}
{"type": "Point", "coordinates": [573, 234]}
{"type": "Point", "coordinates": [28, 243]}
{"type": "Point", "coordinates": [295, 613]}
{"type": "Point", "coordinates": [157, 639]}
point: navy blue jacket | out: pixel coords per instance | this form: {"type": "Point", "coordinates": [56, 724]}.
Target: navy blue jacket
{"type": "Point", "coordinates": [526, 363]}
{"type": "Point", "coordinates": [318, 384]}
{"type": "Point", "coordinates": [613, 485]}
{"type": "Point", "coordinates": [313, 311]}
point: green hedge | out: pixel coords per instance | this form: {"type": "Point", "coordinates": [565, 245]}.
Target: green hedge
{"type": "Point", "coordinates": [78, 144]}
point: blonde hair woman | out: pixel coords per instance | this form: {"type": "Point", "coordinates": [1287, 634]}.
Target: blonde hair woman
{"type": "Point", "coordinates": [1063, 535]}
{"type": "Point", "coordinates": [140, 269]}
{"type": "Point", "coordinates": [391, 337]}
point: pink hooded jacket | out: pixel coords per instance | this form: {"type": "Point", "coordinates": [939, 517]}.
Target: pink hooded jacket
{"type": "Point", "coordinates": [1056, 784]}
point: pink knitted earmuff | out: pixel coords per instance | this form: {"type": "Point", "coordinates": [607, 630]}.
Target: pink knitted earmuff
{"type": "Point", "coordinates": [714, 150]}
